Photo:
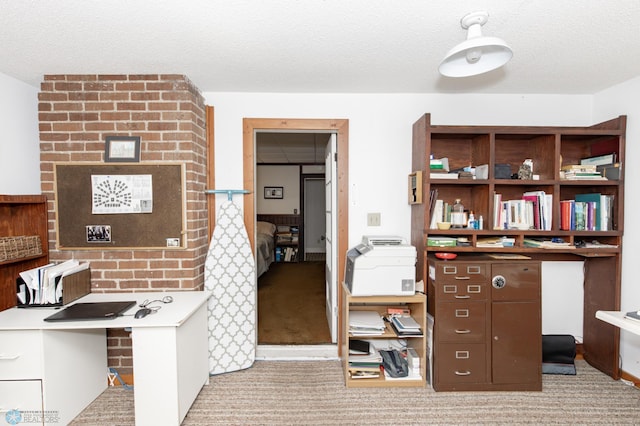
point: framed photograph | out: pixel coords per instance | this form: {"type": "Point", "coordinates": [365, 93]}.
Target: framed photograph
{"type": "Point", "coordinates": [273, 192]}
{"type": "Point", "coordinates": [98, 233]}
{"type": "Point", "coordinates": [122, 149]}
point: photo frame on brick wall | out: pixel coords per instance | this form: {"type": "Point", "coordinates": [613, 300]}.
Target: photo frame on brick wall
{"type": "Point", "coordinates": [119, 149]}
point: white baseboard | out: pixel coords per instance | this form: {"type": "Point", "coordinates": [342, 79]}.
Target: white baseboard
{"type": "Point", "coordinates": [296, 352]}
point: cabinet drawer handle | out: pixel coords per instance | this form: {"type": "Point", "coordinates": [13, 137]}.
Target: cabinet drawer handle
{"type": "Point", "coordinates": [450, 288]}
{"type": "Point", "coordinates": [463, 278]}
{"type": "Point", "coordinates": [8, 357]}
{"type": "Point", "coordinates": [463, 331]}
{"type": "Point", "coordinates": [462, 296]}
{"type": "Point", "coordinates": [463, 373]}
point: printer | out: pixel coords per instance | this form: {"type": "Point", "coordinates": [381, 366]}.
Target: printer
{"type": "Point", "coordinates": [381, 266]}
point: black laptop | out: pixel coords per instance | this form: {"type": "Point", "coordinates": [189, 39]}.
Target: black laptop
{"type": "Point", "coordinates": [91, 311]}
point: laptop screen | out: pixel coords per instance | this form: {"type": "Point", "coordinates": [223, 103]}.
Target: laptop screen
{"type": "Point", "coordinates": [91, 311]}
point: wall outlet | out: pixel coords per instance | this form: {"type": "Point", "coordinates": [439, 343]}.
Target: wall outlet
{"type": "Point", "coordinates": [373, 219]}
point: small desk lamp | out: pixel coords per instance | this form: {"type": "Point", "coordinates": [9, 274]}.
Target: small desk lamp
{"type": "Point", "coordinates": [477, 54]}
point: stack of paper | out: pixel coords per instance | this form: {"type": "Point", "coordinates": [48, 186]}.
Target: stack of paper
{"type": "Point", "coordinates": [365, 323]}
{"type": "Point", "coordinates": [43, 285]}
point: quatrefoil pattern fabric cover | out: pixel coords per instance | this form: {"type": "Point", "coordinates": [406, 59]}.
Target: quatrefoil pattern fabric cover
{"type": "Point", "coordinates": [230, 276]}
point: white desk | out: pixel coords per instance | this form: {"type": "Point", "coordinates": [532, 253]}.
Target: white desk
{"type": "Point", "coordinates": [617, 318]}
{"type": "Point", "coordinates": [60, 367]}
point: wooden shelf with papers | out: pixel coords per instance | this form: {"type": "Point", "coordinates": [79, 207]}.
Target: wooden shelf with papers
{"type": "Point", "coordinates": [416, 304]}
{"type": "Point", "coordinates": [21, 215]}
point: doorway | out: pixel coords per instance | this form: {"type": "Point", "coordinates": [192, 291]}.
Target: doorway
{"type": "Point", "coordinates": [340, 209]}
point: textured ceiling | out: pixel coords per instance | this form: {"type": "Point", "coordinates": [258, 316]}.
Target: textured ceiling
{"type": "Point", "coordinates": [294, 148]}
{"type": "Point", "coordinates": [321, 46]}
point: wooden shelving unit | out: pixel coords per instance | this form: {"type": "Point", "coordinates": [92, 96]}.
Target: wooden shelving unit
{"type": "Point", "coordinates": [417, 306]}
{"type": "Point", "coordinates": [21, 215]}
{"type": "Point", "coordinates": [287, 244]}
{"type": "Point", "coordinates": [549, 148]}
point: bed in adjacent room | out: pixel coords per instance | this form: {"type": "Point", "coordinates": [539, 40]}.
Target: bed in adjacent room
{"type": "Point", "coordinates": [265, 242]}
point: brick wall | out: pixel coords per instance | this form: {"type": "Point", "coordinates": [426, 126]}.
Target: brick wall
{"type": "Point", "coordinates": [76, 113]}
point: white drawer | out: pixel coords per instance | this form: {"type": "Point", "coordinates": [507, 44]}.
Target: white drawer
{"type": "Point", "coordinates": [21, 355]}
{"type": "Point", "coordinates": [23, 398]}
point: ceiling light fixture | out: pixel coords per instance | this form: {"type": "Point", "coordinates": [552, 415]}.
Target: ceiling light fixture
{"type": "Point", "coordinates": [477, 54]}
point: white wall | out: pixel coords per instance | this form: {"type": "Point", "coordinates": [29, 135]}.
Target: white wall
{"type": "Point", "coordinates": [288, 177]}
{"type": "Point", "coordinates": [380, 127]}
{"type": "Point", "coordinates": [20, 141]}
{"type": "Point", "coordinates": [623, 100]}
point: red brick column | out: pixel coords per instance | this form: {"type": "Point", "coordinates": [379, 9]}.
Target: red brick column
{"type": "Point", "coordinates": [76, 113]}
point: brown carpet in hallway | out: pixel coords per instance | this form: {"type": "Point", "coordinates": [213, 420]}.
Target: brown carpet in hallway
{"type": "Point", "coordinates": [291, 305]}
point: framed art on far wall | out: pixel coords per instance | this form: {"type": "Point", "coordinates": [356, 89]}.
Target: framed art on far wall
{"type": "Point", "coordinates": [122, 149]}
{"type": "Point", "coordinates": [273, 192]}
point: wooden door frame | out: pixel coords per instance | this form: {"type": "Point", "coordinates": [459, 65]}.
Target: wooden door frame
{"type": "Point", "coordinates": [341, 128]}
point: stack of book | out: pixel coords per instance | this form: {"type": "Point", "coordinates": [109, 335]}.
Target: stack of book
{"type": "Point", "coordinates": [364, 360]}
{"type": "Point", "coordinates": [580, 172]}
{"type": "Point", "coordinates": [404, 325]}
{"type": "Point", "coordinates": [439, 169]}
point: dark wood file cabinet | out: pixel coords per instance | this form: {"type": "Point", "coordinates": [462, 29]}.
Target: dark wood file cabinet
{"type": "Point", "coordinates": [487, 324]}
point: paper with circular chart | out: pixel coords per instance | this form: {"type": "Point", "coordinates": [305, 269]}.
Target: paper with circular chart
{"type": "Point", "coordinates": [114, 194]}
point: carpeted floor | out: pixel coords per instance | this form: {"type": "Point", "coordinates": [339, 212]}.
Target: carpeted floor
{"type": "Point", "coordinates": [313, 393]}
{"type": "Point", "coordinates": [291, 305]}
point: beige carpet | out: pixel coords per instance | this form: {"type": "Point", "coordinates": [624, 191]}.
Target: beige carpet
{"type": "Point", "coordinates": [313, 393]}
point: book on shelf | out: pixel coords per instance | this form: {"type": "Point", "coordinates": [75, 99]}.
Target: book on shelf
{"type": "Point", "coordinates": [599, 159]}
{"type": "Point", "coordinates": [398, 310]}
{"type": "Point", "coordinates": [439, 164]}
{"type": "Point", "coordinates": [532, 211]}
{"type": "Point", "coordinates": [410, 332]}
{"type": "Point", "coordinates": [358, 374]}
{"type": "Point", "coordinates": [547, 244]}
{"type": "Point", "coordinates": [437, 214]}
{"type": "Point", "coordinates": [443, 175]}
{"type": "Point", "coordinates": [405, 322]}
{"type": "Point", "coordinates": [573, 175]}
{"type": "Point", "coordinates": [359, 347]}
{"type": "Point", "coordinates": [580, 168]}
{"type": "Point", "coordinates": [587, 212]}
{"type": "Point", "coordinates": [436, 241]}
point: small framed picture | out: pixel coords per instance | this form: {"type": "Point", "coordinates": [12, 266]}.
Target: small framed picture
{"type": "Point", "coordinates": [122, 149]}
{"type": "Point", "coordinates": [98, 233]}
{"type": "Point", "coordinates": [273, 192]}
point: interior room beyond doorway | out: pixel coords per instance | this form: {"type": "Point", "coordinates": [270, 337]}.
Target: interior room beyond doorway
{"type": "Point", "coordinates": [291, 293]}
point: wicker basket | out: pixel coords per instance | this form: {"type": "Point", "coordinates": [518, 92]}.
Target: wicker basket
{"type": "Point", "coordinates": [18, 247]}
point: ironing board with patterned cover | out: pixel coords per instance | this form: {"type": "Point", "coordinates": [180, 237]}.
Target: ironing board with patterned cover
{"type": "Point", "coordinates": [230, 275]}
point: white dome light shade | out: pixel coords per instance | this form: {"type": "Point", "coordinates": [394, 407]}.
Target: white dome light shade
{"type": "Point", "coordinates": [477, 54]}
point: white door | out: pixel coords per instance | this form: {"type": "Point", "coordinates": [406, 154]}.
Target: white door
{"type": "Point", "coordinates": [331, 209]}
{"type": "Point", "coordinates": [314, 212]}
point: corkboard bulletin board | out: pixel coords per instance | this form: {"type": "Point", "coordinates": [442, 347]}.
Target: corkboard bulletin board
{"type": "Point", "coordinates": [131, 230]}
